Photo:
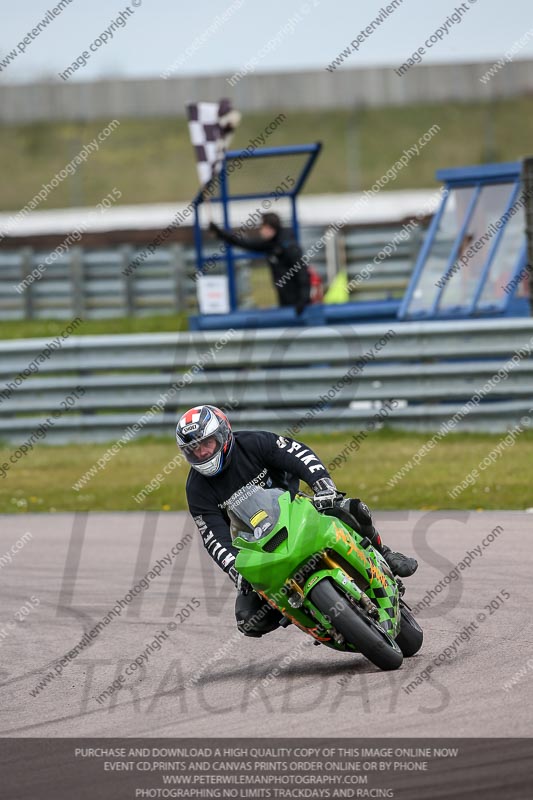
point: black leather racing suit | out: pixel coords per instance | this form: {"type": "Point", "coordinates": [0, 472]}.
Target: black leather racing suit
{"type": "Point", "coordinates": [258, 458]}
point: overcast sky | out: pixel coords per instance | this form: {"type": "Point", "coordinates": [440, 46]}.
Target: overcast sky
{"type": "Point", "coordinates": [157, 33]}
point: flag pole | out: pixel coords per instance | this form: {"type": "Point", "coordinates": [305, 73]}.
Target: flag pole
{"type": "Point", "coordinates": [206, 198]}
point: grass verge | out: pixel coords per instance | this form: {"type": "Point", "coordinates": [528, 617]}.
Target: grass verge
{"type": "Point", "coordinates": [48, 328]}
{"type": "Point", "coordinates": [42, 481]}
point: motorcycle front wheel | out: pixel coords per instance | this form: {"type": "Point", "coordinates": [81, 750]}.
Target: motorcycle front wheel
{"type": "Point", "coordinates": [358, 629]}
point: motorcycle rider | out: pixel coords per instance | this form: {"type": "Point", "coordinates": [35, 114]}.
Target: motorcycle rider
{"type": "Point", "coordinates": [225, 465]}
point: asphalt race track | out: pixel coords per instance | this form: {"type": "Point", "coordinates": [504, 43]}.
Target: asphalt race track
{"type": "Point", "coordinates": [76, 568]}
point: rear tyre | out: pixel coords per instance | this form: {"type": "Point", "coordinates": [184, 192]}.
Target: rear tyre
{"type": "Point", "coordinates": [411, 634]}
{"type": "Point", "coordinates": [359, 630]}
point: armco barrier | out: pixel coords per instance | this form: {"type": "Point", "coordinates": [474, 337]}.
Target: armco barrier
{"type": "Point", "coordinates": [274, 378]}
{"type": "Point", "coordinates": [130, 281]}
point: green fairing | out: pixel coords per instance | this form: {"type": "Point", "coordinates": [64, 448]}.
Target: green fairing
{"type": "Point", "coordinates": [310, 536]}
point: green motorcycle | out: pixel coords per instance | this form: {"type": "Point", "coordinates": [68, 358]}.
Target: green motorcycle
{"type": "Point", "coordinates": [323, 576]}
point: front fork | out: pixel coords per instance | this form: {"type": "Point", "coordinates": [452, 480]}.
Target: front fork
{"type": "Point", "coordinates": [348, 587]}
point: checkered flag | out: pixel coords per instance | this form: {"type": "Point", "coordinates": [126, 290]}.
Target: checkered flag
{"type": "Point", "coordinates": [211, 126]}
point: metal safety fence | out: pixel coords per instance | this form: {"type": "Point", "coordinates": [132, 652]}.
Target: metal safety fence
{"type": "Point", "coordinates": [314, 378]}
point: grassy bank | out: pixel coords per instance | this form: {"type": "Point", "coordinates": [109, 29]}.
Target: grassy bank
{"type": "Point", "coordinates": [151, 160]}
{"type": "Point", "coordinates": [42, 481]}
{"type": "Point", "coordinates": [48, 328]}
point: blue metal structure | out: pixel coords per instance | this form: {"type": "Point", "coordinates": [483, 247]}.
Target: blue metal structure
{"type": "Point", "coordinates": [468, 265]}
{"type": "Point", "coordinates": [474, 248]}
{"type": "Point", "coordinates": [311, 151]}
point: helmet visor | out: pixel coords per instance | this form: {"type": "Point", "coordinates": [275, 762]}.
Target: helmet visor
{"type": "Point", "coordinates": [200, 451]}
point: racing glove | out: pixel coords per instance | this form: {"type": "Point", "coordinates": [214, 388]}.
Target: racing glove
{"type": "Point", "coordinates": [326, 494]}
{"type": "Point", "coordinates": [241, 584]}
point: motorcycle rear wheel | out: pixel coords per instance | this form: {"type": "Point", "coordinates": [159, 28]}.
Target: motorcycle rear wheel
{"type": "Point", "coordinates": [411, 634]}
{"type": "Point", "coordinates": [358, 629]}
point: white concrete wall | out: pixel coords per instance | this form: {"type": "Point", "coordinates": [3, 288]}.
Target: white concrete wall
{"type": "Point", "coordinates": [311, 90]}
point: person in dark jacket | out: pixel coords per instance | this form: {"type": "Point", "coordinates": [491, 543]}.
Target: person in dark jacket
{"type": "Point", "coordinates": [289, 276]}
{"type": "Point", "coordinates": [226, 465]}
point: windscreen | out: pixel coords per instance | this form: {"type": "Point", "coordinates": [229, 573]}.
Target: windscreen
{"type": "Point", "coordinates": [255, 511]}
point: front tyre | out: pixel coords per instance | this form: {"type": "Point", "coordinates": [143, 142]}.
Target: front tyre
{"type": "Point", "coordinates": [359, 630]}
{"type": "Point", "coordinates": [411, 634]}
